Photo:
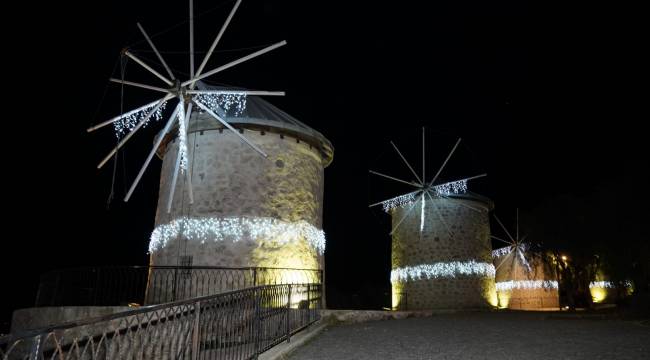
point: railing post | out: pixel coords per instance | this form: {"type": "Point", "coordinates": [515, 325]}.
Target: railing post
{"type": "Point", "coordinates": [308, 304]}
{"type": "Point", "coordinates": [288, 315]}
{"type": "Point", "coordinates": [257, 321]}
{"type": "Point", "coordinates": [255, 276]}
{"type": "Point", "coordinates": [195, 334]}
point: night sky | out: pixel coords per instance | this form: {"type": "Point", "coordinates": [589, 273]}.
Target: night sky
{"type": "Point", "coordinates": [548, 102]}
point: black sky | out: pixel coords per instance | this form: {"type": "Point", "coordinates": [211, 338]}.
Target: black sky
{"type": "Point", "coordinates": [549, 100]}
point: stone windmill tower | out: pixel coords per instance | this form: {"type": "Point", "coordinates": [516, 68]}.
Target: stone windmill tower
{"type": "Point", "coordinates": [248, 210]}
{"type": "Point", "coordinates": [441, 251]}
{"type": "Point", "coordinates": [242, 181]}
{"type": "Point", "coordinates": [523, 280]}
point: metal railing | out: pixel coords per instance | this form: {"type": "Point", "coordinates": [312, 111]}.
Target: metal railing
{"type": "Point", "coordinates": [124, 285]}
{"type": "Point", "coordinates": [239, 324]}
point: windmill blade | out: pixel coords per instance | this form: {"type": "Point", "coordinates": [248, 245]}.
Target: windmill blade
{"type": "Point", "coordinates": [143, 86]}
{"type": "Point", "coordinates": [177, 169]}
{"type": "Point", "coordinates": [406, 162]}
{"type": "Point", "coordinates": [394, 178]}
{"type": "Point", "coordinates": [128, 136]}
{"type": "Point", "coordinates": [504, 228]}
{"type": "Point", "coordinates": [188, 170]}
{"type": "Point", "coordinates": [120, 117]}
{"type": "Point", "coordinates": [403, 217]}
{"type": "Point", "coordinates": [414, 194]}
{"type": "Point", "coordinates": [424, 174]}
{"type": "Point", "coordinates": [172, 189]}
{"type": "Point", "coordinates": [153, 151]}
{"type": "Point", "coordinates": [422, 215]}
{"type": "Point", "coordinates": [451, 235]}
{"type": "Point", "coordinates": [151, 70]}
{"type": "Point", "coordinates": [502, 262]}
{"type": "Point", "coordinates": [156, 50]}
{"type": "Point", "coordinates": [191, 38]}
{"type": "Point", "coordinates": [497, 238]}
{"type": "Point", "coordinates": [236, 62]}
{"type": "Point", "coordinates": [523, 259]}
{"type": "Point", "coordinates": [236, 92]}
{"type": "Point", "coordinates": [517, 223]}
{"type": "Point", "coordinates": [445, 163]}
{"type": "Point", "coordinates": [215, 42]}
{"type": "Point", "coordinates": [244, 139]}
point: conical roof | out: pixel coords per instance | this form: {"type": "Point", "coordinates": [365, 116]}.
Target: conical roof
{"type": "Point", "coordinates": [260, 114]}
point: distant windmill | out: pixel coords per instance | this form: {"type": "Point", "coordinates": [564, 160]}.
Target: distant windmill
{"type": "Point", "coordinates": [425, 189]}
{"type": "Point", "coordinates": [440, 253]}
{"type": "Point", "coordinates": [517, 247]}
{"type": "Point", "coordinates": [521, 279]}
{"type": "Point", "coordinates": [213, 102]}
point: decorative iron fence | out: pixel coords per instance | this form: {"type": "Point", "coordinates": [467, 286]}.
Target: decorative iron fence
{"type": "Point", "coordinates": [239, 324]}
{"type": "Point", "coordinates": [123, 285]}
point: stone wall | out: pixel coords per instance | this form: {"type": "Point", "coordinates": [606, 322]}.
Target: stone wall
{"type": "Point", "coordinates": [542, 293]}
{"type": "Point", "coordinates": [455, 232]}
{"type": "Point", "coordinates": [231, 180]}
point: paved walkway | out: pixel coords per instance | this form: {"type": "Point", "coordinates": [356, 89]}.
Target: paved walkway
{"type": "Point", "coordinates": [482, 336]}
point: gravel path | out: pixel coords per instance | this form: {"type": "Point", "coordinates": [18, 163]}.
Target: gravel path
{"type": "Point", "coordinates": [482, 336]}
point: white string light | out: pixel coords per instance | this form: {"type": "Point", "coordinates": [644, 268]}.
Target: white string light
{"type": "Point", "coordinates": [608, 284]}
{"type": "Point", "coordinates": [182, 137]}
{"type": "Point", "coordinates": [526, 284]}
{"type": "Point", "coordinates": [224, 103]}
{"type": "Point", "coordinates": [130, 120]}
{"type": "Point", "coordinates": [501, 251]}
{"type": "Point", "coordinates": [450, 188]}
{"type": "Point", "coordinates": [399, 201]}
{"type": "Point", "coordinates": [438, 270]}
{"type": "Point", "coordinates": [235, 229]}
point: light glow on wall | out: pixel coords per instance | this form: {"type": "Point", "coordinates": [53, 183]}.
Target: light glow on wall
{"type": "Point", "coordinates": [235, 229]}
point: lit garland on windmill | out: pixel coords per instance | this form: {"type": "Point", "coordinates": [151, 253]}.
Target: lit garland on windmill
{"type": "Point", "coordinates": [425, 189]}
{"type": "Point", "coordinates": [216, 103]}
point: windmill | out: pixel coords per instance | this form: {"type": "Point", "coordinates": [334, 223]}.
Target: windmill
{"type": "Point", "coordinates": [187, 98]}
{"type": "Point", "coordinates": [440, 249]}
{"type": "Point", "coordinates": [515, 250]}
{"type": "Point", "coordinates": [424, 189]}
{"type": "Point", "coordinates": [521, 279]}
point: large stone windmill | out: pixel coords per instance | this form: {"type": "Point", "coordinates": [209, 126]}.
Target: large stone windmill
{"type": "Point", "coordinates": [241, 181]}
{"type": "Point", "coordinates": [441, 251]}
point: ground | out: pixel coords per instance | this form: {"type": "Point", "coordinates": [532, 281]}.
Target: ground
{"type": "Point", "coordinates": [503, 335]}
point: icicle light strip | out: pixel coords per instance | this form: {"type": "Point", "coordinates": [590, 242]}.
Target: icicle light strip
{"type": "Point", "coordinates": [131, 119]}
{"type": "Point", "coordinates": [501, 251]}
{"type": "Point", "coordinates": [526, 284]}
{"type": "Point", "coordinates": [182, 137]}
{"type": "Point", "coordinates": [399, 201]}
{"type": "Point", "coordinates": [450, 188]}
{"type": "Point", "coordinates": [235, 229]}
{"type": "Point", "coordinates": [442, 270]}
{"type": "Point", "coordinates": [231, 104]}
{"type": "Point", "coordinates": [608, 284]}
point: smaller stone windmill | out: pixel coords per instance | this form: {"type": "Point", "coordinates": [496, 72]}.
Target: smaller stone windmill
{"type": "Point", "coordinates": [441, 252]}
{"type": "Point", "coordinates": [522, 281]}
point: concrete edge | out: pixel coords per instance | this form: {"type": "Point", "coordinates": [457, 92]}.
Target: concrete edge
{"type": "Point", "coordinates": [284, 349]}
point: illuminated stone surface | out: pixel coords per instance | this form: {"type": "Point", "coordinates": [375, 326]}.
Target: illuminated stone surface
{"type": "Point", "coordinates": [525, 297]}
{"type": "Point", "coordinates": [231, 180]}
{"type": "Point", "coordinates": [470, 243]}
